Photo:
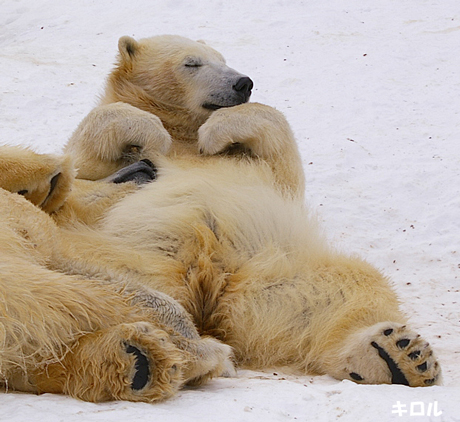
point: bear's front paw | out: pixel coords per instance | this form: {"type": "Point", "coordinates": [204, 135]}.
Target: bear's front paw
{"type": "Point", "coordinates": [250, 129]}
{"type": "Point", "coordinates": [389, 353]}
{"type": "Point", "coordinates": [113, 136]}
{"type": "Point", "coordinates": [236, 130]}
{"type": "Point", "coordinates": [217, 135]}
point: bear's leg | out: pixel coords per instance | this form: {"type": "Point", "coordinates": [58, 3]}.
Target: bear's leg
{"type": "Point", "coordinates": [136, 362]}
{"type": "Point", "coordinates": [208, 356]}
{"type": "Point", "coordinates": [329, 321]}
{"type": "Point", "coordinates": [257, 131]}
{"type": "Point", "coordinates": [66, 335]}
{"type": "Point", "coordinates": [113, 136]}
{"type": "Point", "coordinates": [62, 334]}
{"type": "Point", "coordinates": [388, 353]}
{"type": "Point", "coordinates": [48, 182]}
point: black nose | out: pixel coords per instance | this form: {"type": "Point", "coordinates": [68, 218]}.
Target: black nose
{"type": "Point", "coordinates": [244, 86]}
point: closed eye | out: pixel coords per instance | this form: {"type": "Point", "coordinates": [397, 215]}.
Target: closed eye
{"type": "Point", "coordinates": [193, 65]}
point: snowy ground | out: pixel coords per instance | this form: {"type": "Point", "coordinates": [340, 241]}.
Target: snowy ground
{"type": "Point", "coordinates": [372, 91]}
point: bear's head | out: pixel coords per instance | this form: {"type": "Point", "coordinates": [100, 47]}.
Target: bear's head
{"type": "Point", "coordinates": [180, 80]}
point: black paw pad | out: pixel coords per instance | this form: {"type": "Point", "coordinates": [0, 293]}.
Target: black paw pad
{"type": "Point", "coordinates": [397, 376]}
{"type": "Point", "coordinates": [414, 355]}
{"type": "Point", "coordinates": [402, 344]}
{"type": "Point", "coordinates": [356, 376]}
{"type": "Point", "coordinates": [142, 374]}
{"type": "Point", "coordinates": [423, 367]}
{"type": "Point", "coordinates": [388, 331]}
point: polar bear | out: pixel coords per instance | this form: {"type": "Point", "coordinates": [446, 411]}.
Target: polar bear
{"type": "Point", "coordinates": [63, 332]}
{"type": "Point", "coordinates": [223, 229]}
{"type": "Point", "coordinates": [156, 101]}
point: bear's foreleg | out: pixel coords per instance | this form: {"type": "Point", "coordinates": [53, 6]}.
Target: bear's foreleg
{"type": "Point", "coordinates": [258, 131]}
{"type": "Point", "coordinates": [113, 136]}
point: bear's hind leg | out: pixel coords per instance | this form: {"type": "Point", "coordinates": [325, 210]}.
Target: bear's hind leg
{"type": "Point", "coordinates": [208, 356]}
{"type": "Point", "coordinates": [386, 353]}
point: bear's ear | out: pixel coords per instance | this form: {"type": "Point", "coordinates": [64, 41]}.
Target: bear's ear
{"type": "Point", "coordinates": [128, 47]}
{"type": "Point", "coordinates": [201, 42]}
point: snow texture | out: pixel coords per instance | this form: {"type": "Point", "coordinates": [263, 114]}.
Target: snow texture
{"type": "Point", "coordinates": [371, 89]}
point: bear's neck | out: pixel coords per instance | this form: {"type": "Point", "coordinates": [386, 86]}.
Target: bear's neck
{"type": "Point", "coordinates": [179, 122]}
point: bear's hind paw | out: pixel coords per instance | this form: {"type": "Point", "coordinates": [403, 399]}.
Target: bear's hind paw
{"type": "Point", "coordinates": [408, 356]}
{"type": "Point", "coordinates": [388, 353]}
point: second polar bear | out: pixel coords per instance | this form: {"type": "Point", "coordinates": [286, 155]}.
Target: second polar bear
{"type": "Point", "coordinates": [96, 338]}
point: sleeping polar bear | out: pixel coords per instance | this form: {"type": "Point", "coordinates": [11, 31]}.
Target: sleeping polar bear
{"type": "Point", "coordinates": [224, 231]}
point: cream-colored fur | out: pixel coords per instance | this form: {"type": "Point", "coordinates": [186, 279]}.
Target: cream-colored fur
{"type": "Point", "coordinates": [254, 271]}
{"type": "Point", "coordinates": [174, 78]}
{"type": "Point", "coordinates": [62, 331]}
{"type": "Point", "coordinates": [116, 135]}
{"type": "Point", "coordinates": [52, 182]}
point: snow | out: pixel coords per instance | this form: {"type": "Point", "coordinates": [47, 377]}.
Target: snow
{"type": "Point", "coordinates": [371, 90]}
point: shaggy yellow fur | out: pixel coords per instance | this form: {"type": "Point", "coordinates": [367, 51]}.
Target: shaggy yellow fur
{"type": "Point", "coordinates": [62, 331]}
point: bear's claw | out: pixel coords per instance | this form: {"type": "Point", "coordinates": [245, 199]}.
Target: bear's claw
{"type": "Point", "coordinates": [142, 172]}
